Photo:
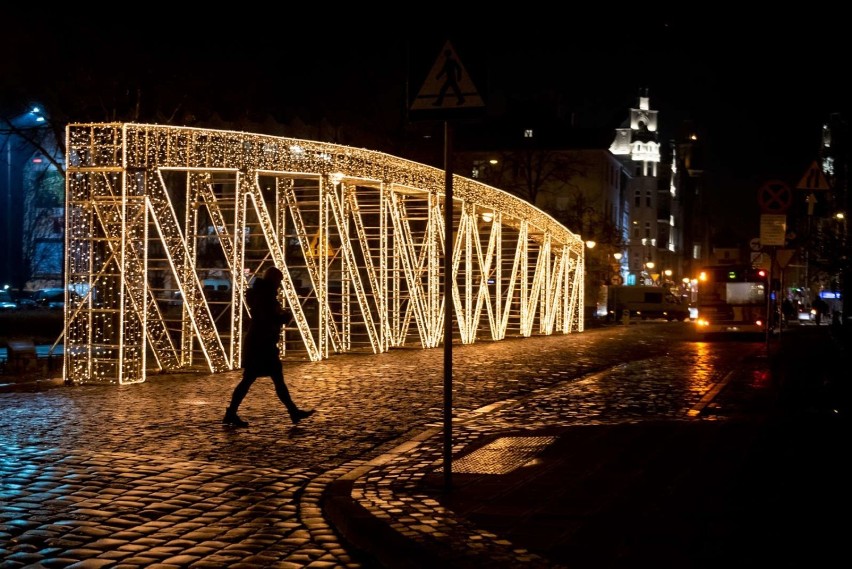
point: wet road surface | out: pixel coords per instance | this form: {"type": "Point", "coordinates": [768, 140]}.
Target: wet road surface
{"type": "Point", "coordinates": [147, 476]}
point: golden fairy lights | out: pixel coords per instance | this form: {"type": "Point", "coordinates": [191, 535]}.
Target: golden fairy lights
{"type": "Point", "coordinates": [168, 225]}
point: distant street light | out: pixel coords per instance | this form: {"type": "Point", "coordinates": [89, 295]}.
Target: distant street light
{"type": "Point", "coordinates": [14, 133]}
{"type": "Point", "coordinates": [616, 277]}
{"type": "Point", "coordinates": [649, 266]}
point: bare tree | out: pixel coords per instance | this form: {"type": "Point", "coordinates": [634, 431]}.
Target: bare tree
{"type": "Point", "coordinates": [526, 172]}
{"type": "Point", "coordinates": [43, 223]}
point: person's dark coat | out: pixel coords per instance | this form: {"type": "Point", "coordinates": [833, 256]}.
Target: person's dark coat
{"type": "Point", "coordinates": [260, 350]}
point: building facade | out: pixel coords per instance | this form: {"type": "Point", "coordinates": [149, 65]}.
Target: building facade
{"type": "Point", "coordinates": [655, 226]}
{"type": "Point", "coordinates": [637, 197]}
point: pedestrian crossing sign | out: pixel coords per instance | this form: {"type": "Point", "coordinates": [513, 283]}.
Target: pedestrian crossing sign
{"type": "Point", "coordinates": [448, 85]}
{"type": "Point", "coordinates": [814, 179]}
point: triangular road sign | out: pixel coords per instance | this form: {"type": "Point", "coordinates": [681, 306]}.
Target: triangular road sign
{"type": "Point", "coordinates": [783, 256]}
{"type": "Point", "coordinates": [813, 180]}
{"type": "Point", "coordinates": [448, 86]}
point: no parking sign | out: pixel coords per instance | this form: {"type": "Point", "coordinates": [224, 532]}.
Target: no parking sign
{"type": "Point", "coordinates": [774, 197]}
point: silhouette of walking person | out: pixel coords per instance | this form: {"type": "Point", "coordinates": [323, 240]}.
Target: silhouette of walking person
{"type": "Point", "coordinates": [261, 356]}
{"type": "Point", "coordinates": [452, 72]}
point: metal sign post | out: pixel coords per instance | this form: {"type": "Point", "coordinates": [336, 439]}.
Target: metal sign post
{"type": "Point", "coordinates": [447, 92]}
{"type": "Point", "coordinates": [448, 308]}
{"type": "Point", "coordinates": [769, 297]}
{"type": "Point", "coordinates": [774, 198]}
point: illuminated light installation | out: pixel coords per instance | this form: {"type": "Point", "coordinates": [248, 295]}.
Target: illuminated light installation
{"type": "Point", "coordinates": [167, 226]}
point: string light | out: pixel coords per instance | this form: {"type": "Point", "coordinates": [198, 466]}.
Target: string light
{"type": "Point", "coordinates": [158, 217]}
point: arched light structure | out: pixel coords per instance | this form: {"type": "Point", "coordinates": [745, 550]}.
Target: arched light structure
{"type": "Point", "coordinates": [167, 227]}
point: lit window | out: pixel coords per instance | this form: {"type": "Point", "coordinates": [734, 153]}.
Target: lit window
{"type": "Point", "coordinates": [528, 133]}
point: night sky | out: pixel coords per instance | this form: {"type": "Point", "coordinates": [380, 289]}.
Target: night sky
{"type": "Point", "coordinates": [758, 88]}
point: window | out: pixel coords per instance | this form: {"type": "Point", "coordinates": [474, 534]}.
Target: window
{"type": "Point", "coordinates": [637, 198]}
{"type": "Point", "coordinates": [528, 133]}
{"type": "Point", "coordinates": [648, 199]}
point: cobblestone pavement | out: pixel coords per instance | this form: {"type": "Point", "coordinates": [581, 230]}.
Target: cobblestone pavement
{"type": "Point", "coordinates": [147, 476]}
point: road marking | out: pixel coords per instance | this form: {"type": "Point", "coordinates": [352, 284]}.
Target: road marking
{"type": "Point", "coordinates": [710, 395]}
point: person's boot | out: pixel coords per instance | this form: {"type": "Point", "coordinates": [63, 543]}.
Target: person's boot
{"type": "Point", "coordinates": [232, 419]}
{"type": "Point", "coordinates": [300, 414]}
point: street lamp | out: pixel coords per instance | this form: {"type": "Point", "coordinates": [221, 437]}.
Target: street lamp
{"type": "Point", "coordinates": [16, 132]}
{"type": "Point", "coordinates": [592, 282]}
{"type": "Point", "coordinates": [649, 266]}
{"type": "Point", "coordinates": [616, 279]}
{"type": "Point", "coordinates": [590, 261]}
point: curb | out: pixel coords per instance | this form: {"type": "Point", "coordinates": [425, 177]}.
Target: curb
{"type": "Point", "coordinates": [27, 386]}
{"type": "Point", "coordinates": [369, 534]}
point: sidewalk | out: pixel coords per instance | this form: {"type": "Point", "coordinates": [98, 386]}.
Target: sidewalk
{"type": "Point", "coordinates": [760, 481]}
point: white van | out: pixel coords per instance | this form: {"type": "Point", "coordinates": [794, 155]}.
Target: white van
{"type": "Point", "coordinates": [645, 302]}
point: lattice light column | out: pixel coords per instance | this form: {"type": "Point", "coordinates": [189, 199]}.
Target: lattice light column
{"type": "Point", "coordinates": [105, 264]}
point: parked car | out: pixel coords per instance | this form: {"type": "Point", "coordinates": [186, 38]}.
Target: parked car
{"type": "Point", "coordinates": [214, 290]}
{"type": "Point", "coordinates": [24, 299]}
{"type": "Point", "coordinates": [176, 299]}
{"type": "Point", "coordinates": [50, 298]}
{"type": "Point", "coordinates": [6, 301]}
{"type": "Point", "coordinates": [806, 314]}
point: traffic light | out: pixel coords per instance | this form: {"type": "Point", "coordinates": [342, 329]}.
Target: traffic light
{"type": "Point", "coordinates": [757, 275]}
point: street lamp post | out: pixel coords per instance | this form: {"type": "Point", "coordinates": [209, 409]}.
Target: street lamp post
{"type": "Point", "coordinates": [19, 131]}
{"type": "Point", "coordinates": [592, 285]}
{"type": "Point", "coordinates": [617, 256]}
{"type": "Point", "coordinates": [9, 209]}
